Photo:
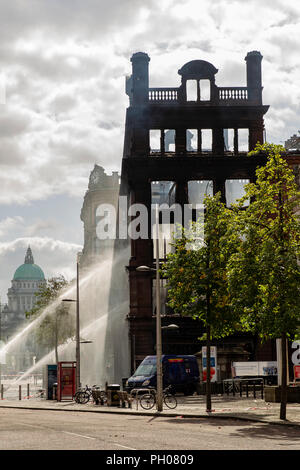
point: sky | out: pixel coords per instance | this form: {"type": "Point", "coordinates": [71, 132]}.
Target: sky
{"type": "Point", "coordinates": [63, 65]}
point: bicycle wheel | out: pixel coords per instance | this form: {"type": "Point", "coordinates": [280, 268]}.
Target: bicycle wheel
{"type": "Point", "coordinates": [79, 396]}
{"type": "Point", "coordinates": [85, 397]}
{"type": "Point", "coordinates": [170, 401]}
{"type": "Point", "coordinates": [147, 401]}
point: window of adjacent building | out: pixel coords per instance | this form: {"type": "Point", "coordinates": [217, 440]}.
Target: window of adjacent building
{"type": "Point", "coordinates": [197, 190]}
{"type": "Point", "coordinates": [154, 136]}
{"type": "Point", "coordinates": [234, 190]}
{"type": "Point", "coordinates": [191, 140]}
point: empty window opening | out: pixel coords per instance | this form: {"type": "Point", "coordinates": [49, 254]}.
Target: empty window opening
{"type": "Point", "coordinates": [243, 140]}
{"type": "Point", "coordinates": [164, 308]}
{"type": "Point", "coordinates": [163, 192]}
{"type": "Point", "coordinates": [191, 90]}
{"type": "Point", "coordinates": [206, 140]}
{"type": "Point", "coordinates": [197, 190]}
{"type": "Point", "coordinates": [205, 90]}
{"type": "Point", "coordinates": [228, 140]}
{"type": "Point", "coordinates": [170, 140]}
{"type": "Point", "coordinates": [191, 140]}
{"type": "Point", "coordinates": [234, 190]}
{"type": "Point", "coordinates": [165, 238]}
{"type": "Point", "coordinates": [154, 140]}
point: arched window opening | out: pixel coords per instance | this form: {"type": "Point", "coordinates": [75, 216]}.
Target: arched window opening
{"type": "Point", "coordinates": [204, 90]}
{"type": "Point", "coordinates": [191, 90]}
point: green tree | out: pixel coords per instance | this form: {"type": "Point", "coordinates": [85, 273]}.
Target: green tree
{"type": "Point", "coordinates": [264, 274]}
{"type": "Point", "coordinates": [57, 326]}
{"type": "Point", "coordinates": [197, 277]}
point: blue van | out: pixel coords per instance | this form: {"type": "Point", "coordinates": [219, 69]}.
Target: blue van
{"type": "Point", "coordinates": [182, 372]}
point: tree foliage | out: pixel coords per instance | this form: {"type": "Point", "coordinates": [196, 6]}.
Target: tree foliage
{"type": "Point", "coordinates": [264, 274]}
{"type": "Point", "coordinates": [197, 269]}
{"type": "Point", "coordinates": [57, 325]}
{"type": "Point", "coordinates": [197, 277]}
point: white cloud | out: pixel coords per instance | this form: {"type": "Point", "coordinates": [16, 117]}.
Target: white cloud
{"type": "Point", "coordinates": [65, 62]}
{"type": "Point", "coordinates": [10, 223]}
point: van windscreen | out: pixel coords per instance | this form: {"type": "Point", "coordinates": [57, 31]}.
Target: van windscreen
{"type": "Point", "coordinates": [145, 370]}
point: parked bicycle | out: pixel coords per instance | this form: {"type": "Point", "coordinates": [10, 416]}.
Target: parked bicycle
{"type": "Point", "coordinates": [83, 395]}
{"type": "Point", "coordinates": [148, 400]}
{"type": "Point", "coordinates": [40, 393]}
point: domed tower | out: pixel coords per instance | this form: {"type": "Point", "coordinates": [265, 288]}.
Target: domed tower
{"type": "Point", "coordinates": [21, 298]}
{"type": "Point", "coordinates": [26, 281]}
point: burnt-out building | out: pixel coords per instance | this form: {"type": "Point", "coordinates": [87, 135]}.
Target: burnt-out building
{"type": "Point", "coordinates": [179, 144]}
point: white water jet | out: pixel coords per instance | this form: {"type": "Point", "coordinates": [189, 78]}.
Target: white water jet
{"type": "Point", "coordinates": [103, 308]}
{"type": "Point", "coordinates": [67, 348]}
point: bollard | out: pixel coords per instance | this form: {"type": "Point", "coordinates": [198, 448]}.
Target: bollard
{"type": "Point", "coordinates": [2, 391]}
{"type": "Point", "coordinates": [20, 392]}
{"type": "Point", "coordinates": [254, 390]}
{"type": "Point", "coordinates": [28, 391]}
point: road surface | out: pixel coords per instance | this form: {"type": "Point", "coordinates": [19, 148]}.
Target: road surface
{"type": "Point", "coordinates": [68, 430]}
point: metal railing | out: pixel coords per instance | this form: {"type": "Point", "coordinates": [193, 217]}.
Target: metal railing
{"type": "Point", "coordinates": [240, 386]}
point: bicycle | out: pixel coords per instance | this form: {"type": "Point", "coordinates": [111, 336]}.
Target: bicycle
{"type": "Point", "coordinates": [40, 393]}
{"type": "Point", "coordinates": [148, 400]}
{"type": "Point", "coordinates": [83, 395]}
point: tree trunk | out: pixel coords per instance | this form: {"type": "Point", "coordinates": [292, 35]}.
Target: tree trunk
{"type": "Point", "coordinates": [208, 386]}
{"type": "Point", "coordinates": [283, 378]}
{"type": "Point", "coordinates": [208, 332]}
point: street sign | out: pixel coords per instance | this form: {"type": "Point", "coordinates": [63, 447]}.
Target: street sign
{"type": "Point", "coordinates": [213, 363]}
{"type": "Point", "coordinates": [297, 372]}
{"type": "Point", "coordinates": [254, 368]}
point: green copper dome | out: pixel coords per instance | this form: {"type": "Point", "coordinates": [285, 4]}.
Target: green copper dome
{"type": "Point", "coordinates": [29, 271]}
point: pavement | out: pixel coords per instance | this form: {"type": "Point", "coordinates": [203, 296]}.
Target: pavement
{"type": "Point", "coordinates": [247, 409]}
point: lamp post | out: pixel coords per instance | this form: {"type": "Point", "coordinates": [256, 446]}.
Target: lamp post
{"type": "Point", "coordinates": [159, 400]}
{"type": "Point", "coordinates": [77, 327]}
{"type": "Point", "coordinates": [0, 340]}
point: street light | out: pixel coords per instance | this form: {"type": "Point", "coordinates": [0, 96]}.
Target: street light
{"type": "Point", "coordinates": [159, 328]}
{"type": "Point", "coordinates": [170, 327]}
{"type": "Point", "coordinates": [77, 384]}
{"type": "Point", "coordinates": [159, 400]}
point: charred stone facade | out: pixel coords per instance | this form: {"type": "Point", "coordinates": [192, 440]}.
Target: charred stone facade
{"type": "Point", "coordinates": [102, 189]}
{"type": "Point", "coordinates": [196, 107]}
